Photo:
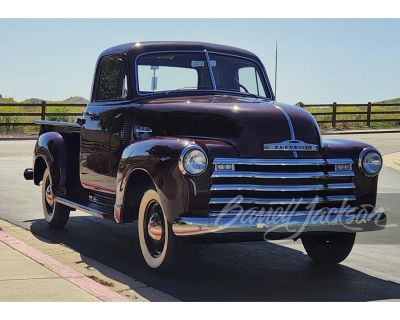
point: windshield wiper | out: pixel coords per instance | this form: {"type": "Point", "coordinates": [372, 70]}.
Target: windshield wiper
{"type": "Point", "coordinates": [249, 94]}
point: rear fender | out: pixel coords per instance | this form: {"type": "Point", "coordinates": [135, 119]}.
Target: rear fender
{"type": "Point", "coordinates": [51, 149]}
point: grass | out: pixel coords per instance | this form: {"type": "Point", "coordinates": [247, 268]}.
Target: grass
{"type": "Point", "coordinates": [362, 118]}
{"type": "Point", "coordinates": [28, 119]}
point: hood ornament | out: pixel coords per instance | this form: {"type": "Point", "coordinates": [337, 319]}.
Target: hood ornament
{"type": "Point", "coordinates": [291, 145]}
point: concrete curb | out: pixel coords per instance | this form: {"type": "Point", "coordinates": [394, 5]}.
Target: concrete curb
{"type": "Point", "coordinates": [122, 284]}
{"type": "Point", "coordinates": [94, 288]}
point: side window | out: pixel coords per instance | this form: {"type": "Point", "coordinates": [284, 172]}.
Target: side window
{"type": "Point", "coordinates": [250, 80]}
{"type": "Point", "coordinates": [112, 81]}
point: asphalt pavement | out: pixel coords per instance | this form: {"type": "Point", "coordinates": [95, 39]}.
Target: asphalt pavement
{"type": "Point", "coordinates": [261, 271]}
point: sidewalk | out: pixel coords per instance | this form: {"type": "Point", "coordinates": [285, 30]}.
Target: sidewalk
{"type": "Point", "coordinates": [22, 279]}
{"type": "Point", "coordinates": [27, 274]}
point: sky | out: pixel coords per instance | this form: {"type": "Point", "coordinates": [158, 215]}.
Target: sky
{"type": "Point", "coordinates": [319, 60]}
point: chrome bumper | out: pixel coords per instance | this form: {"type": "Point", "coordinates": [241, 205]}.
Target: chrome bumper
{"type": "Point", "coordinates": [268, 223]}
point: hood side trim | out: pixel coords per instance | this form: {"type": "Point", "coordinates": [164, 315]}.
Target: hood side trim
{"type": "Point", "coordinates": [290, 124]}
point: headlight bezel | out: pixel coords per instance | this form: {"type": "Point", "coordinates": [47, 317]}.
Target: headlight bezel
{"type": "Point", "coordinates": [183, 155]}
{"type": "Point", "coordinates": [361, 158]}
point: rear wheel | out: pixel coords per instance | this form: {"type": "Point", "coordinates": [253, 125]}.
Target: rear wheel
{"type": "Point", "coordinates": [157, 241]}
{"type": "Point", "coordinates": [330, 248]}
{"type": "Point", "coordinates": [55, 213]}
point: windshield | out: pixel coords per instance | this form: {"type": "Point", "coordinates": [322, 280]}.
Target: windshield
{"type": "Point", "coordinates": [190, 71]}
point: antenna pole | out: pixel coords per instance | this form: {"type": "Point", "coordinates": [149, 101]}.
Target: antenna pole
{"type": "Point", "coordinates": [276, 65]}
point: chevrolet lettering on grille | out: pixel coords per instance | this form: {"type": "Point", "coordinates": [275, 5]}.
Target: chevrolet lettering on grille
{"type": "Point", "coordinates": [290, 145]}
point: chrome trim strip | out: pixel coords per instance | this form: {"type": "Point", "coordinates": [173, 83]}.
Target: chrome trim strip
{"type": "Point", "coordinates": [282, 162]}
{"type": "Point", "coordinates": [337, 186]}
{"type": "Point", "coordinates": [341, 173]}
{"type": "Point", "coordinates": [192, 226]}
{"type": "Point", "coordinates": [281, 175]}
{"type": "Point", "coordinates": [271, 188]}
{"type": "Point", "coordinates": [276, 201]}
{"type": "Point", "coordinates": [340, 161]}
{"type": "Point", "coordinates": [268, 201]}
{"type": "Point", "coordinates": [290, 124]}
{"type": "Point", "coordinates": [341, 198]}
{"type": "Point", "coordinates": [79, 206]}
{"type": "Point", "coordinates": [281, 188]}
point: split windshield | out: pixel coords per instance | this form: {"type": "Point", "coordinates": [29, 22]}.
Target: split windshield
{"type": "Point", "coordinates": [190, 71]}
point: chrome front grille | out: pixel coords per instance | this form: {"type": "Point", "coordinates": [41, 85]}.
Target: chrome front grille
{"type": "Point", "coordinates": [273, 182]}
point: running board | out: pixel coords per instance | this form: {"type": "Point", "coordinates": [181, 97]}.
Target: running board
{"type": "Point", "coordinates": [96, 210]}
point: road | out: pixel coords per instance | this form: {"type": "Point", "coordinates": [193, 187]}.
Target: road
{"type": "Point", "coordinates": [262, 271]}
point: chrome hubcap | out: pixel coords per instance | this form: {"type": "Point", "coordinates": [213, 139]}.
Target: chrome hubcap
{"type": "Point", "coordinates": [49, 195]}
{"type": "Point", "coordinates": [154, 227]}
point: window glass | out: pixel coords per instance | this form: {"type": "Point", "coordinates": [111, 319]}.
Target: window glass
{"type": "Point", "coordinates": [249, 79]}
{"type": "Point", "coordinates": [237, 75]}
{"type": "Point", "coordinates": [172, 71]}
{"type": "Point", "coordinates": [112, 83]}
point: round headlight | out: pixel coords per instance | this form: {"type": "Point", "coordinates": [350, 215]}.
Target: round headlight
{"type": "Point", "coordinates": [370, 162]}
{"type": "Point", "coordinates": [193, 161]}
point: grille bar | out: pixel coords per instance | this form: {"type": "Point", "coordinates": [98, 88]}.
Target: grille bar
{"type": "Point", "coordinates": [279, 201]}
{"type": "Point", "coordinates": [282, 175]}
{"type": "Point", "coordinates": [282, 162]}
{"type": "Point", "coordinates": [279, 188]}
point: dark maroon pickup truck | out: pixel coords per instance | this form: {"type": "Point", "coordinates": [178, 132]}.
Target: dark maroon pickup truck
{"type": "Point", "coordinates": [187, 139]}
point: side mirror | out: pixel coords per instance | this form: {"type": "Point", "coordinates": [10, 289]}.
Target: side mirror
{"type": "Point", "coordinates": [299, 104]}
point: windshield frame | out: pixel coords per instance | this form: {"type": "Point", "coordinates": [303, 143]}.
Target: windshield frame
{"type": "Point", "coordinates": [263, 76]}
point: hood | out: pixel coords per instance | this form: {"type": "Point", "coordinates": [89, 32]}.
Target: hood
{"type": "Point", "coordinates": [246, 123]}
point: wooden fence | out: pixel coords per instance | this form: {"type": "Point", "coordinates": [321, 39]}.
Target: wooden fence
{"type": "Point", "coordinates": [366, 114]}
{"type": "Point", "coordinates": [328, 115]}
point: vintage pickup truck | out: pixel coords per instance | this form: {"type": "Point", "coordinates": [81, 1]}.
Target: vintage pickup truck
{"type": "Point", "coordinates": [187, 139]}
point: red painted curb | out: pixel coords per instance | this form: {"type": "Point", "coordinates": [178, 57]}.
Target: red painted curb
{"type": "Point", "coordinates": [94, 288]}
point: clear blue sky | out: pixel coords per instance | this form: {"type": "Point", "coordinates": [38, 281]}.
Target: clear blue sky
{"type": "Point", "coordinates": [319, 60]}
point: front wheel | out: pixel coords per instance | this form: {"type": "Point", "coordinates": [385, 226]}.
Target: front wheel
{"type": "Point", "coordinates": [55, 213]}
{"type": "Point", "coordinates": [157, 241]}
{"type": "Point", "coordinates": [329, 249]}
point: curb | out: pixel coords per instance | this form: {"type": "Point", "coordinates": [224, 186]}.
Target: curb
{"type": "Point", "coordinates": [92, 287]}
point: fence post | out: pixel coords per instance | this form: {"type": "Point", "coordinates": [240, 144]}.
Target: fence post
{"type": "Point", "coordinates": [334, 106]}
{"type": "Point", "coordinates": [369, 114]}
{"type": "Point", "coordinates": [43, 113]}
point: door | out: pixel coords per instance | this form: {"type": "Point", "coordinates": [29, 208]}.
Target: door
{"type": "Point", "coordinates": [101, 138]}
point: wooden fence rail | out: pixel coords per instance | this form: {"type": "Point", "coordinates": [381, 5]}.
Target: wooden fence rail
{"type": "Point", "coordinates": [326, 114]}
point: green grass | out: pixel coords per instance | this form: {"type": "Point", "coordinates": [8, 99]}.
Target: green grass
{"type": "Point", "coordinates": [28, 119]}
{"type": "Point", "coordinates": [361, 117]}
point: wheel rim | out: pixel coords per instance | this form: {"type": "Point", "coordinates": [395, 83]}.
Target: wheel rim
{"type": "Point", "coordinates": [49, 196]}
{"type": "Point", "coordinates": [154, 229]}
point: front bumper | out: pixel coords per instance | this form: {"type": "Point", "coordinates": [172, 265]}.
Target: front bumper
{"type": "Point", "coordinates": [292, 223]}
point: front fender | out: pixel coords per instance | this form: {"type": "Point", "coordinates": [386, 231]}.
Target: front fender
{"type": "Point", "coordinates": [366, 187]}
{"type": "Point", "coordinates": [51, 148]}
{"type": "Point", "coordinates": [159, 158]}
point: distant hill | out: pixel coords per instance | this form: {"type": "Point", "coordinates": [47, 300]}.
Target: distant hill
{"type": "Point", "coordinates": [71, 100]}
{"type": "Point", "coordinates": [75, 100]}
{"type": "Point", "coordinates": [396, 100]}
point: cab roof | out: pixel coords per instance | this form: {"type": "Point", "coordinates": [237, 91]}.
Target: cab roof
{"type": "Point", "coordinates": [136, 48]}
